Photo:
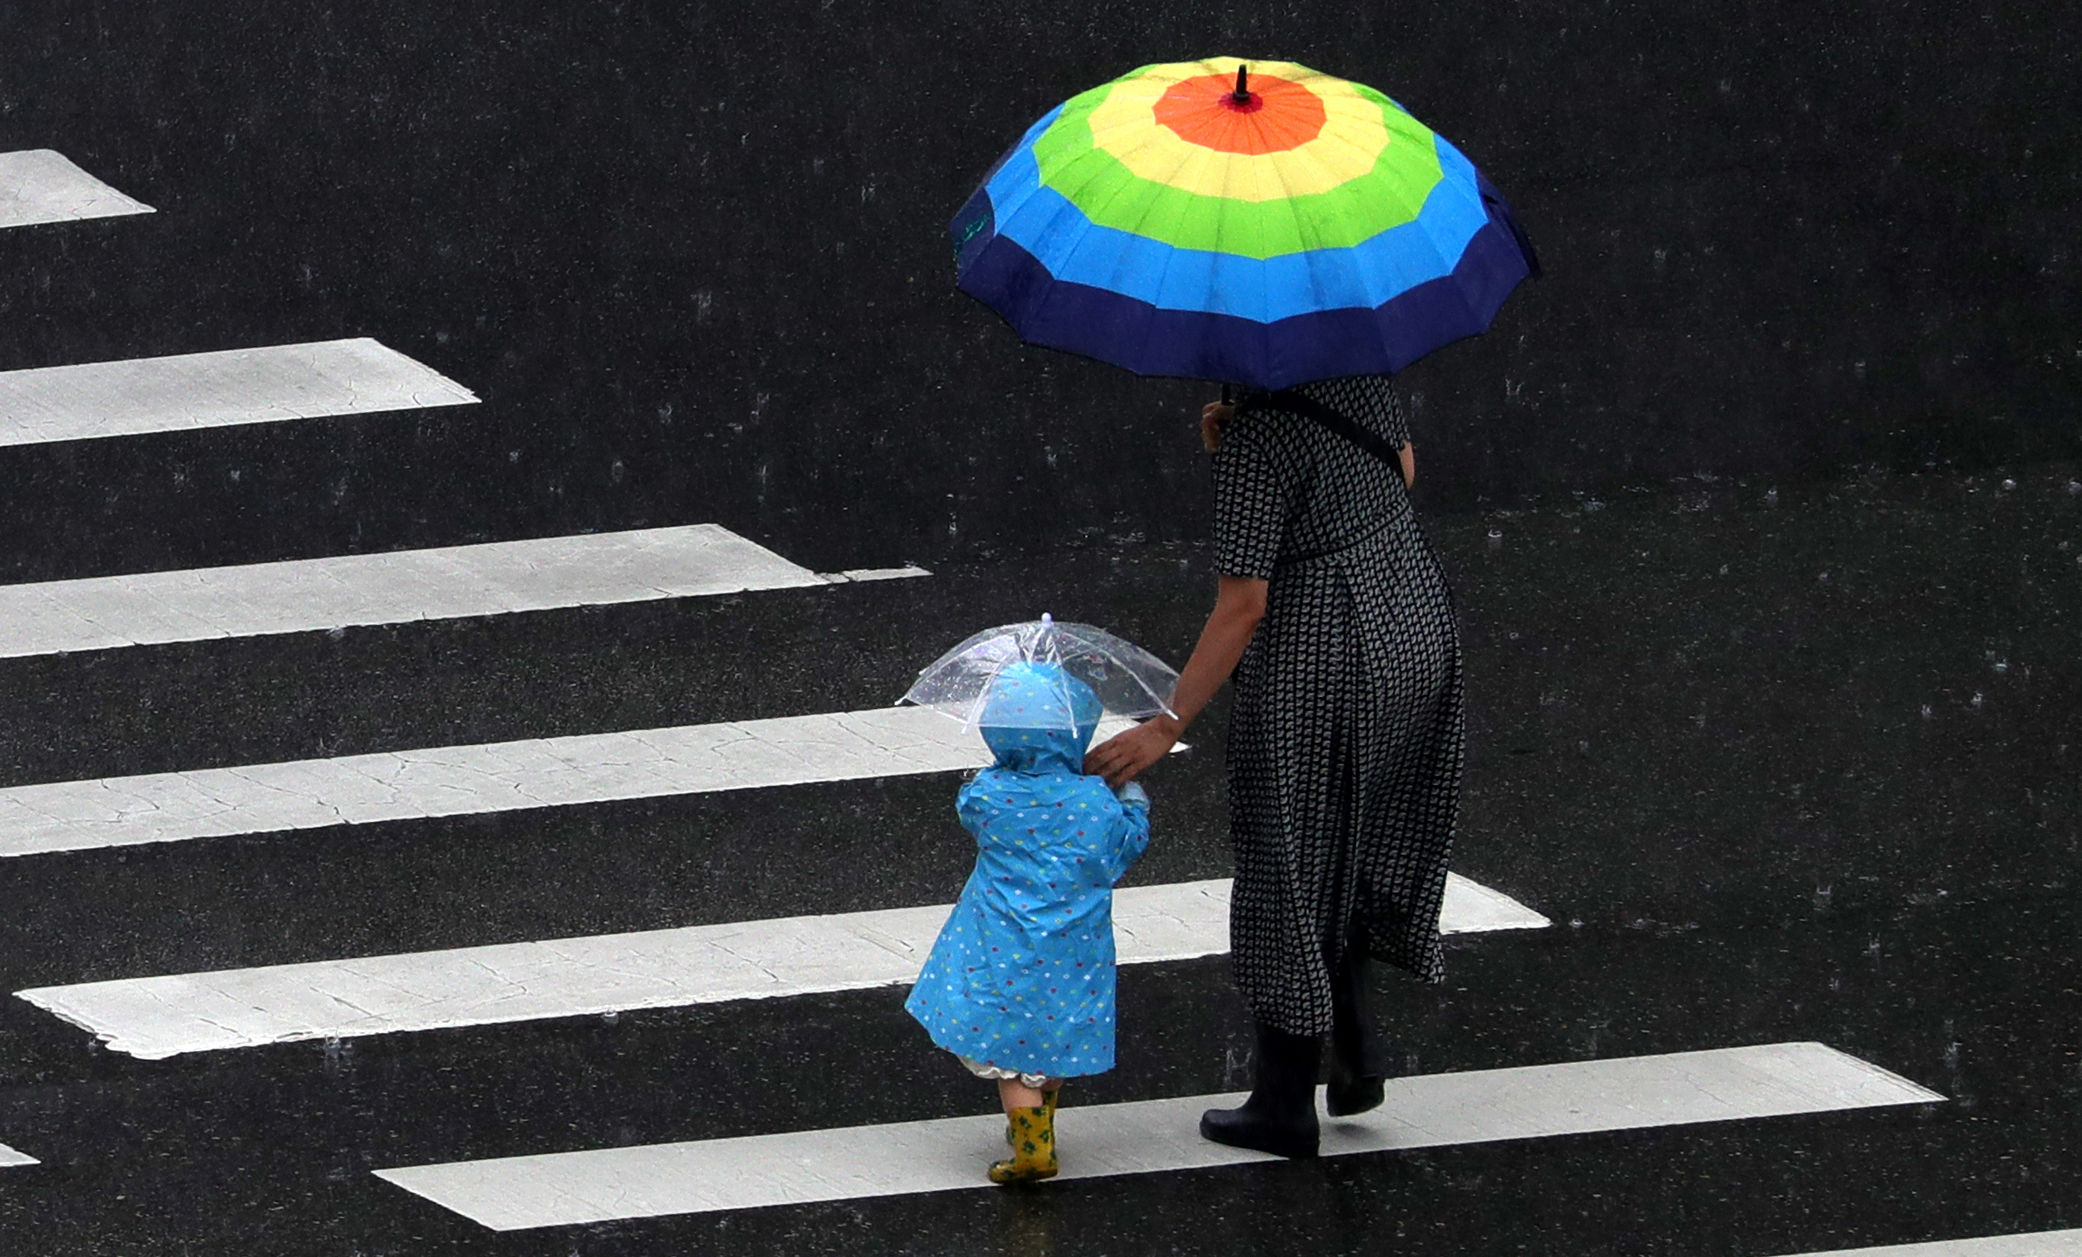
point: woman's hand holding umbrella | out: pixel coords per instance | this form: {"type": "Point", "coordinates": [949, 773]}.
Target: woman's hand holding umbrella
{"type": "Point", "coordinates": [1214, 417]}
{"type": "Point", "coordinates": [1239, 606]}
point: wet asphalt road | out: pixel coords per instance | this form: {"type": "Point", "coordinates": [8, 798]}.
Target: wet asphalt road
{"type": "Point", "coordinates": [1816, 859]}
{"type": "Point", "coordinates": [1782, 759]}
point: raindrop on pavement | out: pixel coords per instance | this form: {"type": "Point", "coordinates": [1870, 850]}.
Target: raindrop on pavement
{"type": "Point", "coordinates": [2009, 484]}
{"type": "Point", "coordinates": [1926, 711]}
{"type": "Point", "coordinates": [1977, 698]}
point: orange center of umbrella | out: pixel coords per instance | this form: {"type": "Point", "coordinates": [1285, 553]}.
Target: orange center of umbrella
{"type": "Point", "coordinates": [1278, 116]}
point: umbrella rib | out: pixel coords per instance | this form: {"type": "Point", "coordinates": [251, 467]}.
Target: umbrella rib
{"type": "Point", "coordinates": [1199, 158]}
{"type": "Point", "coordinates": [1353, 199]}
{"type": "Point", "coordinates": [1087, 220]}
{"type": "Point", "coordinates": [1115, 283]}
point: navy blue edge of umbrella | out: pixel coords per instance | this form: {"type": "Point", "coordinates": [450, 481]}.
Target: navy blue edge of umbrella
{"type": "Point", "coordinates": [1190, 344]}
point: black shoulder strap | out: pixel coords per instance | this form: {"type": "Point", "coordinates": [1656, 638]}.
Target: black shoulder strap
{"type": "Point", "coordinates": [1286, 399]}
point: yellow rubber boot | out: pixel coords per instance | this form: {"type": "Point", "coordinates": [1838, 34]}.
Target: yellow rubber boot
{"type": "Point", "coordinates": [1033, 1145]}
{"type": "Point", "coordinates": [1048, 1101]}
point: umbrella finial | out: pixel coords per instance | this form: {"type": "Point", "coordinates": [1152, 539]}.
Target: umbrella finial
{"type": "Point", "coordinates": [1242, 95]}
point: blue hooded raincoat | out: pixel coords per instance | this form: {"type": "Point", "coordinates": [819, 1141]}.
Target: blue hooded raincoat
{"type": "Point", "coordinates": [1021, 976]}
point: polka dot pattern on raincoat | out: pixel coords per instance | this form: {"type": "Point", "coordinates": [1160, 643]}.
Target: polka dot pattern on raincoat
{"type": "Point", "coordinates": [1021, 976]}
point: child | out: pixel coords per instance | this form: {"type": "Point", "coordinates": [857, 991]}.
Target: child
{"type": "Point", "coordinates": [1019, 984]}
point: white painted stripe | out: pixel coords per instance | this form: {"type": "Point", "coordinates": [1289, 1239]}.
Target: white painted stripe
{"type": "Point", "coordinates": [9, 1157]}
{"type": "Point", "coordinates": [40, 186]}
{"type": "Point", "coordinates": [1141, 1137]}
{"type": "Point", "coordinates": [213, 390]}
{"type": "Point", "coordinates": [491, 777]}
{"type": "Point", "coordinates": [300, 595]}
{"type": "Point", "coordinates": [155, 1018]}
{"type": "Point", "coordinates": [2032, 1244]}
{"type": "Point", "coordinates": [878, 573]}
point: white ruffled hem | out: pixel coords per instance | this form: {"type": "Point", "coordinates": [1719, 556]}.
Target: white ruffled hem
{"type": "Point", "coordinates": [1038, 1082]}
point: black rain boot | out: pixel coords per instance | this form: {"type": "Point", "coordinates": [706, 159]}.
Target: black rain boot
{"type": "Point", "coordinates": [1280, 1116]}
{"type": "Point", "coordinates": [1358, 1070]}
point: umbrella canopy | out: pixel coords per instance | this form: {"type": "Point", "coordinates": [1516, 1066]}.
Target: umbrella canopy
{"type": "Point", "coordinates": [1126, 679]}
{"type": "Point", "coordinates": [1257, 223]}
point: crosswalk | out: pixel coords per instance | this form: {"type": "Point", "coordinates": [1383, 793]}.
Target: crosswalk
{"type": "Point", "coordinates": [1151, 1136]}
{"type": "Point", "coordinates": [785, 963]}
{"type": "Point", "coordinates": [154, 1018]}
{"type": "Point", "coordinates": [401, 586]}
{"type": "Point", "coordinates": [2026, 1244]}
{"type": "Point", "coordinates": [42, 186]}
{"type": "Point", "coordinates": [180, 392]}
{"type": "Point", "coordinates": [487, 777]}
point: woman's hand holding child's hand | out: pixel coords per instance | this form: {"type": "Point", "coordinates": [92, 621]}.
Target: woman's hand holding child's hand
{"type": "Point", "coordinates": [1123, 757]}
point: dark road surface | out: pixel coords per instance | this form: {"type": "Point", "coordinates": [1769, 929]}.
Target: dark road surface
{"type": "Point", "coordinates": [1724, 789]}
{"type": "Point", "coordinates": [1783, 759]}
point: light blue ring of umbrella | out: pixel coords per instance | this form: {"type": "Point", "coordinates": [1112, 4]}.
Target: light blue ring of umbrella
{"type": "Point", "coordinates": [1075, 249]}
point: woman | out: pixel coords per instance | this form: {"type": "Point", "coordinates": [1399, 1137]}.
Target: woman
{"type": "Point", "coordinates": [1346, 742]}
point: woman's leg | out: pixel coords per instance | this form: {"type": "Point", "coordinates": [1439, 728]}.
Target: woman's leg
{"type": "Point", "coordinates": [1280, 1115]}
{"type": "Point", "coordinates": [1357, 1071]}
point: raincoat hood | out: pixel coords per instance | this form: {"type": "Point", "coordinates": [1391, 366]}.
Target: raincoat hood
{"type": "Point", "coordinates": [1039, 718]}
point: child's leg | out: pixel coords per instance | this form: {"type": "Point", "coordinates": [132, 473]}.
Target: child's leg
{"type": "Point", "coordinates": [1029, 1129]}
{"type": "Point", "coordinates": [1014, 1094]}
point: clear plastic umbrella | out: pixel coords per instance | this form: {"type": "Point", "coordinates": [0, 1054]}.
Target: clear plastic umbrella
{"type": "Point", "coordinates": [1129, 681]}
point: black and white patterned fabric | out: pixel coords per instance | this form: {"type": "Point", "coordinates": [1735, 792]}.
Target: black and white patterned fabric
{"type": "Point", "coordinates": [1348, 736]}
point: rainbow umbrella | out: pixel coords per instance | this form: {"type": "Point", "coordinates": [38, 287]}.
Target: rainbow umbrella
{"type": "Point", "coordinates": [1257, 223]}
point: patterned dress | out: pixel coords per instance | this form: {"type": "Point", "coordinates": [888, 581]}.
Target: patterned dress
{"type": "Point", "coordinates": [1347, 740]}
